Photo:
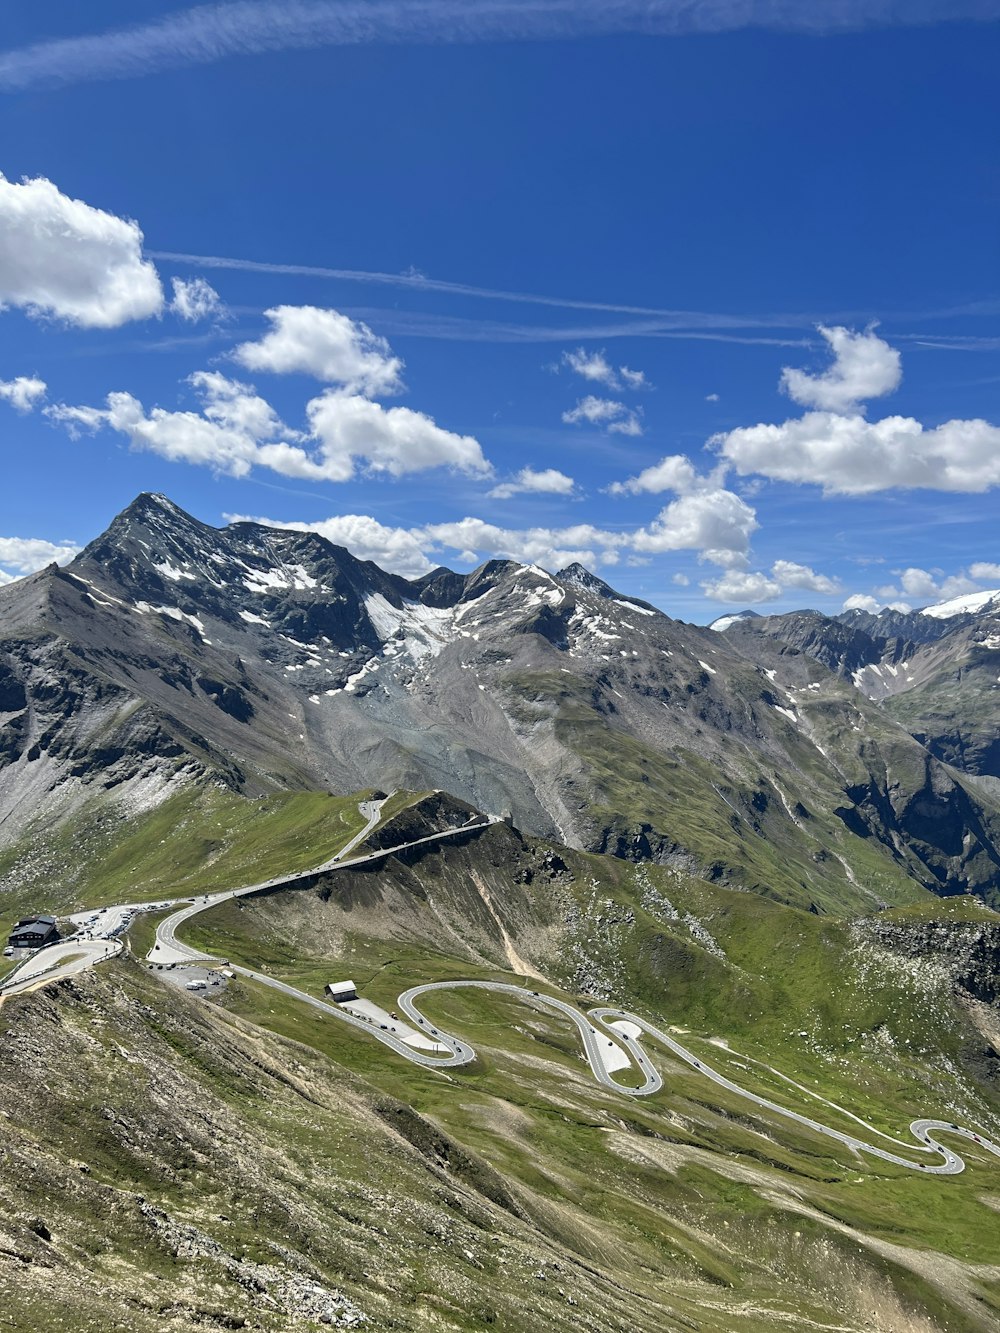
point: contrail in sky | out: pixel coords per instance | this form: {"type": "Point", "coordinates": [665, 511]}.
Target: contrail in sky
{"type": "Point", "coordinates": [209, 33]}
{"type": "Point", "coordinates": [417, 282]}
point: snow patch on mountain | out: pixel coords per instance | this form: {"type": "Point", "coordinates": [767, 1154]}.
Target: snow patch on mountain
{"type": "Point", "coordinates": [968, 604]}
{"type": "Point", "coordinates": [422, 631]}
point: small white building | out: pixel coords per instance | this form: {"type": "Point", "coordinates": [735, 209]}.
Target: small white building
{"type": "Point", "coordinates": [339, 991]}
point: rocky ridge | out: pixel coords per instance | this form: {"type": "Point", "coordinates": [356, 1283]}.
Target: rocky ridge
{"type": "Point", "coordinates": [170, 652]}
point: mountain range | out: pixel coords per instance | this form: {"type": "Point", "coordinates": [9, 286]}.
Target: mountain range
{"type": "Point", "coordinates": [840, 764]}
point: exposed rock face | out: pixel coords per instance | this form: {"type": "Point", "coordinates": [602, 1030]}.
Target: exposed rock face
{"type": "Point", "coordinates": [267, 659]}
{"type": "Point", "coordinates": [968, 951]}
{"type": "Point", "coordinates": [935, 673]}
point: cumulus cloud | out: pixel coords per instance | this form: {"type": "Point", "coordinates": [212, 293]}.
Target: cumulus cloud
{"type": "Point", "coordinates": [551, 548]}
{"type": "Point", "coordinates": [25, 555]}
{"type": "Point", "coordinates": [195, 300]}
{"type": "Point", "coordinates": [546, 482]}
{"type": "Point", "coordinates": [860, 601]}
{"type": "Point", "coordinates": [23, 392]}
{"type": "Point", "coordinates": [849, 455]}
{"type": "Point", "coordinates": [612, 415]}
{"type": "Point", "coordinates": [922, 584]}
{"type": "Point", "coordinates": [329, 346]}
{"type": "Point", "coordinates": [596, 367]}
{"type": "Point", "coordinates": [674, 473]}
{"type": "Point", "coordinates": [236, 430]}
{"type": "Point", "coordinates": [836, 447]}
{"type": "Point", "coordinates": [742, 587]}
{"type": "Point", "coordinates": [62, 258]}
{"type": "Point", "coordinates": [791, 575]}
{"type": "Point", "coordinates": [714, 522]}
{"type": "Point", "coordinates": [396, 440]}
{"type": "Point", "coordinates": [864, 366]}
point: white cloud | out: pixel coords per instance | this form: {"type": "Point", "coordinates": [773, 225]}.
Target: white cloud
{"type": "Point", "coordinates": [60, 257]}
{"type": "Point", "coordinates": [24, 555]}
{"type": "Point", "coordinates": [23, 392]}
{"type": "Point", "coordinates": [849, 455]}
{"type": "Point", "coordinates": [860, 601]}
{"type": "Point", "coordinates": [681, 580]}
{"type": "Point", "coordinates": [715, 522]}
{"type": "Point", "coordinates": [195, 299]}
{"type": "Point", "coordinates": [395, 549]}
{"type": "Point", "coordinates": [593, 366]}
{"type": "Point", "coordinates": [711, 397]}
{"type": "Point", "coordinates": [396, 440]}
{"type": "Point", "coordinates": [77, 419]}
{"type": "Point", "coordinates": [633, 379]}
{"type": "Point", "coordinates": [327, 345]}
{"type": "Point", "coordinates": [985, 571]}
{"type": "Point", "coordinates": [596, 367]}
{"type": "Point", "coordinates": [595, 411]}
{"type": "Point", "coordinates": [548, 482]}
{"type": "Point", "coordinates": [607, 412]}
{"type": "Point", "coordinates": [742, 587]}
{"type": "Point", "coordinates": [673, 473]}
{"type": "Point", "coordinates": [213, 32]}
{"type": "Point", "coordinates": [791, 575]}
{"type": "Point", "coordinates": [864, 367]}
{"type": "Point", "coordinates": [691, 523]}
{"type": "Point", "coordinates": [629, 424]}
{"type": "Point", "coordinates": [236, 430]}
{"type": "Point", "coordinates": [924, 586]}
{"type": "Point", "coordinates": [551, 548]}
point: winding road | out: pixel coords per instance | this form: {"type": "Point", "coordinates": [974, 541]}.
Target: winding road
{"type": "Point", "coordinates": [599, 1029]}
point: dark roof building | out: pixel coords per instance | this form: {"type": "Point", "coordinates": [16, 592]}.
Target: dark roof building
{"type": "Point", "coordinates": [33, 932]}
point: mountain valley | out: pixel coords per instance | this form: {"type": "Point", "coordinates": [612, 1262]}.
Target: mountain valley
{"type": "Point", "coordinates": [731, 832]}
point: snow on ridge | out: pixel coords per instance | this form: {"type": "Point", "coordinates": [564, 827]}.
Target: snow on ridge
{"type": "Point", "coordinates": [169, 571]}
{"type": "Point", "coordinates": [634, 606]}
{"type": "Point", "coordinates": [425, 630]}
{"type": "Point", "coordinates": [290, 576]}
{"type": "Point", "coordinates": [174, 612]}
{"type": "Point", "coordinates": [960, 606]}
{"type": "Point", "coordinates": [724, 622]}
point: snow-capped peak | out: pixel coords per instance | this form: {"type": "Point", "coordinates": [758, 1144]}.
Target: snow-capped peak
{"type": "Point", "coordinates": [968, 604]}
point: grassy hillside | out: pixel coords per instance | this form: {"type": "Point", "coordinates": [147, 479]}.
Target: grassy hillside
{"type": "Point", "coordinates": [198, 1163]}
{"type": "Point", "coordinates": [201, 839]}
{"type": "Point", "coordinates": [722, 1196]}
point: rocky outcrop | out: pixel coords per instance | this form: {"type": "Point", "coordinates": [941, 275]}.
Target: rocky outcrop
{"type": "Point", "coordinates": [968, 951]}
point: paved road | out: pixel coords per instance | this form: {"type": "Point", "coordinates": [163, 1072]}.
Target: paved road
{"type": "Point", "coordinates": [589, 1034]}
{"type": "Point", "coordinates": [922, 1130]}
{"type": "Point", "coordinates": [60, 960]}
{"type": "Point", "coordinates": [169, 949]}
{"type": "Point", "coordinates": [461, 1053]}
{"type": "Point", "coordinates": [46, 965]}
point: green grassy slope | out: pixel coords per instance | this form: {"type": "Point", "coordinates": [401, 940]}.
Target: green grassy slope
{"type": "Point", "coordinates": [201, 839]}
{"type": "Point", "coordinates": [735, 1197]}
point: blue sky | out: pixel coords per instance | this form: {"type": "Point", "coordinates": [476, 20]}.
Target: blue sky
{"type": "Point", "coordinates": [715, 311]}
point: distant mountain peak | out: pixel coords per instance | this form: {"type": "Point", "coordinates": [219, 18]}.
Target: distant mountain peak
{"type": "Point", "coordinates": [970, 603]}
{"type": "Point", "coordinates": [723, 622]}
